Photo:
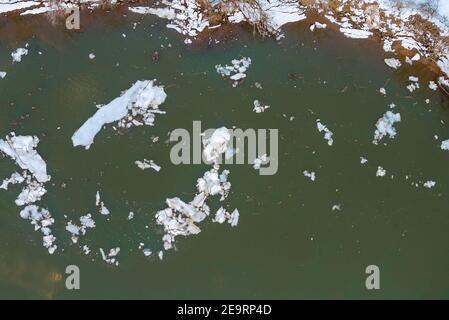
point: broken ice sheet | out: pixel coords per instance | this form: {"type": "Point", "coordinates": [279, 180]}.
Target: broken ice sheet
{"type": "Point", "coordinates": [385, 126]}
{"type": "Point", "coordinates": [42, 220]}
{"type": "Point", "coordinates": [181, 218]}
{"type": "Point", "coordinates": [22, 149]}
{"type": "Point", "coordinates": [110, 258]}
{"type": "Point", "coordinates": [86, 222]}
{"type": "Point", "coordinates": [135, 107]}
{"type": "Point", "coordinates": [236, 71]}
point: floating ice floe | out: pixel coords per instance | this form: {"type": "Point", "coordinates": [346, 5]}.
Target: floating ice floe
{"type": "Point", "coordinates": [145, 164]}
{"type": "Point", "coordinates": [100, 204]}
{"type": "Point", "coordinates": [18, 54]}
{"type": "Point", "coordinates": [363, 160]}
{"type": "Point", "coordinates": [42, 220]}
{"type": "Point", "coordinates": [2, 74]}
{"type": "Point", "coordinates": [236, 71]}
{"type": "Point", "coordinates": [259, 107]}
{"type": "Point", "coordinates": [309, 174]}
{"type": "Point", "coordinates": [393, 63]}
{"type": "Point", "coordinates": [110, 258]}
{"type": "Point", "coordinates": [91, 56]}
{"type": "Point", "coordinates": [86, 222]}
{"type": "Point", "coordinates": [383, 91]}
{"type": "Point", "coordinates": [327, 133]}
{"type": "Point", "coordinates": [380, 172]}
{"type": "Point", "coordinates": [385, 126]}
{"type": "Point", "coordinates": [185, 16]}
{"type": "Point", "coordinates": [22, 149]}
{"type": "Point", "coordinates": [136, 107]}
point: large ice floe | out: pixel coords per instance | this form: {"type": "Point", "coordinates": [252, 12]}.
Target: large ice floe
{"type": "Point", "coordinates": [22, 149]}
{"type": "Point", "coordinates": [181, 218]}
{"type": "Point", "coordinates": [137, 106]}
{"type": "Point", "coordinates": [385, 126]}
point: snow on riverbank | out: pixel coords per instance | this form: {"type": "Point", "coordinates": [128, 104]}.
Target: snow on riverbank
{"type": "Point", "coordinates": [136, 107]}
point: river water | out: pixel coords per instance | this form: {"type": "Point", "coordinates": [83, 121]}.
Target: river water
{"type": "Point", "coordinates": [289, 242]}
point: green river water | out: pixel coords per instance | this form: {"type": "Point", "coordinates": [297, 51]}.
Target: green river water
{"type": "Point", "coordinates": [289, 243]}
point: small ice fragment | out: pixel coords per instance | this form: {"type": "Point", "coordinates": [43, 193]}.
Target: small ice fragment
{"type": "Point", "coordinates": [336, 207]}
{"type": "Point", "coordinates": [17, 55]}
{"type": "Point", "coordinates": [433, 85]}
{"type": "Point", "coordinates": [327, 133]}
{"type": "Point", "coordinates": [130, 215]}
{"type": "Point", "coordinates": [383, 91]}
{"type": "Point", "coordinates": [259, 107]}
{"type": "Point", "coordinates": [429, 184]}
{"type": "Point", "coordinates": [259, 161]}
{"type": "Point", "coordinates": [309, 174]}
{"type": "Point", "coordinates": [145, 164]}
{"type": "Point", "coordinates": [91, 56]}
{"type": "Point", "coordinates": [380, 172]}
{"type": "Point", "coordinates": [363, 160]}
{"type": "Point", "coordinates": [445, 145]}
{"type": "Point", "coordinates": [2, 74]}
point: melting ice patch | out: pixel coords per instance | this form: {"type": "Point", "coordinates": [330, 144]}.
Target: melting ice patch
{"type": "Point", "coordinates": [385, 126]}
{"type": "Point", "coordinates": [136, 107]}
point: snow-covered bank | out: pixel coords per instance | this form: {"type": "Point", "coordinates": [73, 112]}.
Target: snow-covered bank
{"type": "Point", "coordinates": [136, 107]}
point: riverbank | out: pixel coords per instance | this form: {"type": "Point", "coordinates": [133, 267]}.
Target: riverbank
{"type": "Point", "coordinates": [411, 34]}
